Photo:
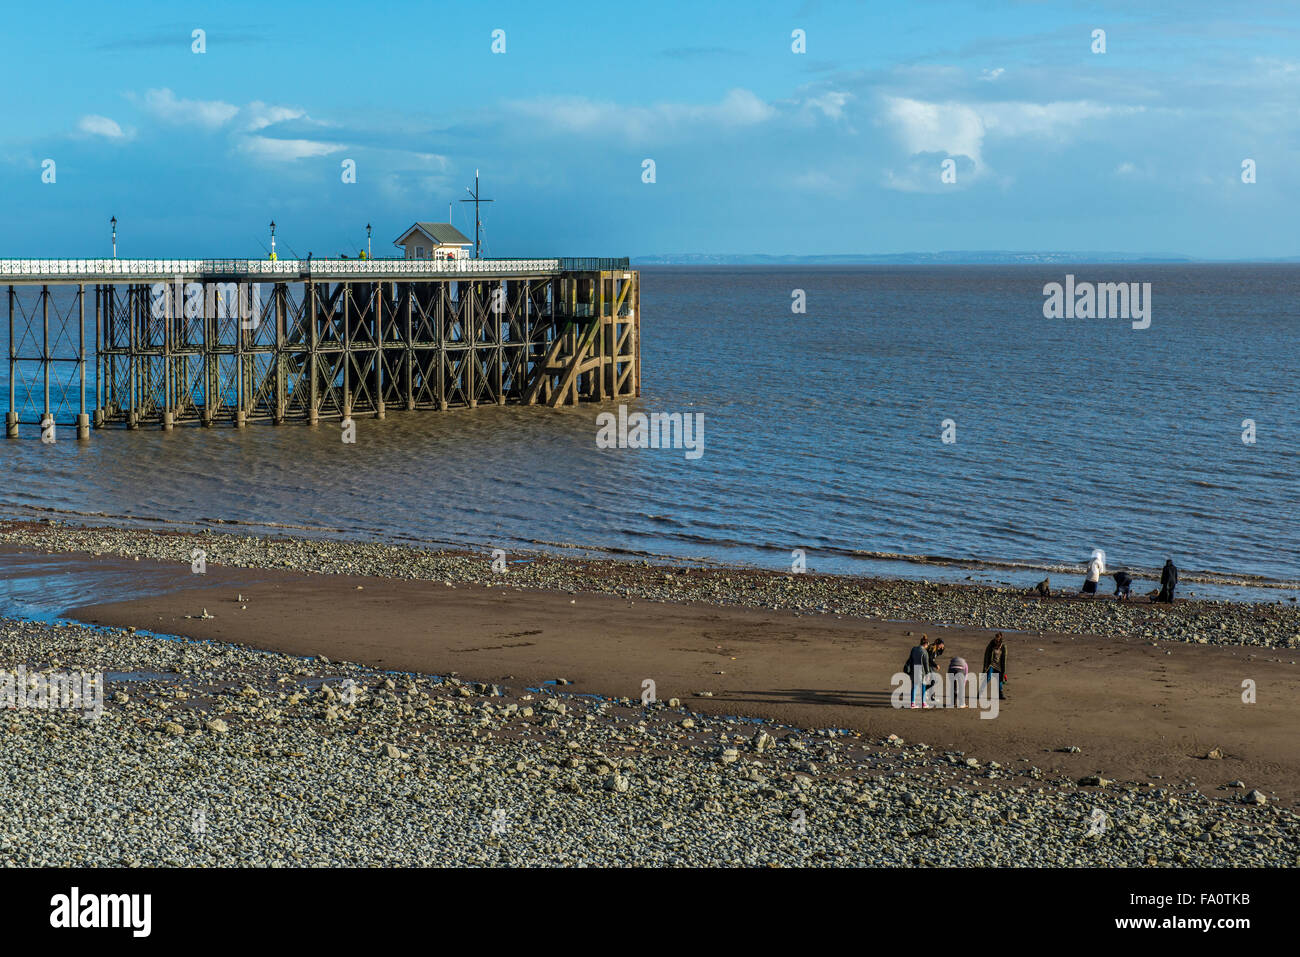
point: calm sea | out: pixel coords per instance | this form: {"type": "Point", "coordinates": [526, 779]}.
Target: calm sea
{"type": "Point", "coordinates": [823, 431]}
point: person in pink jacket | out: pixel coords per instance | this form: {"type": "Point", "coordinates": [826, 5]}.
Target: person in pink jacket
{"type": "Point", "coordinates": [957, 672]}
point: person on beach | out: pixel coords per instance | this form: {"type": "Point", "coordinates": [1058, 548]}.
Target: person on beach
{"type": "Point", "coordinates": [934, 650]}
{"type": "Point", "coordinates": [1168, 581]}
{"type": "Point", "coordinates": [1123, 583]}
{"type": "Point", "coordinates": [917, 668]}
{"type": "Point", "coordinates": [995, 662]}
{"type": "Point", "coordinates": [1096, 568]}
{"type": "Point", "coordinates": [957, 672]}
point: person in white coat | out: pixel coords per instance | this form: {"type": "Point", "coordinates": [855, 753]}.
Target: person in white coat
{"type": "Point", "coordinates": [1096, 568]}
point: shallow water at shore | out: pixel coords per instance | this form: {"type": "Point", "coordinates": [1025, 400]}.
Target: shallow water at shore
{"type": "Point", "coordinates": [45, 587]}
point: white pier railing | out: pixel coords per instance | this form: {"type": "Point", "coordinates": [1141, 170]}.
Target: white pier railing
{"type": "Point", "coordinates": [284, 270]}
{"type": "Point", "coordinates": [431, 267]}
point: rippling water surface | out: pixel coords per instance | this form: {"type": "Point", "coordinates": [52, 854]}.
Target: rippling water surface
{"type": "Point", "coordinates": [822, 431]}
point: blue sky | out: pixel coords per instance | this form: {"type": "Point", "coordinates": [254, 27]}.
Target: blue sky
{"type": "Point", "coordinates": [758, 149]}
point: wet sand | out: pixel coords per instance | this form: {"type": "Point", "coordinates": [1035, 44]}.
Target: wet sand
{"type": "Point", "coordinates": [1135, 711]}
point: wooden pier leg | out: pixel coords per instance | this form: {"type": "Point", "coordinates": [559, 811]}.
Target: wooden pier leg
{"type": "Point", "coordinates": [109, 403]}
{"type": "Point", "coordinates": [98, 416]}
{"type": "Point", "coordinates": [241, 391]}
{"type": "Point", "coordinates": [168, 321]}
{"type": "Point", "coordinates": [598, 346]}
{"type": "Point", "coordinates": [11, 415]}
{"type": "Point", "coordinates": [378, 301]}
{"type": "Point", "coordinates": [521, 380]}
{"type": "Point", "coordinates": [410, 348]}
{"type": "Point", "coordinates": [470, 312]}
{"type": "Point", "coordinates": [206, 359]}
{"type": "Point", "coordinates": [574, 335]}
{"type": "Point", "coordinates": [444, 296]}
{"type": "Point", "coordinates": [313, 410]}
{"type": "Point", "coordinates": [45, 349]}
{"type": "Point", "coordinates": [83, 420]}
{"type": "Point", "coordinates": [500, 319]}
{"type": "Point", "coordinates": [172, 316]}
{"type": "Point", "coordinates": [279, 292]}
{"type": "Point", "coordinates": [347, 352]}
{"type": "Point", "coordinates": [636, 335]}
{"type": "Point", "coordinates": [133, 356]}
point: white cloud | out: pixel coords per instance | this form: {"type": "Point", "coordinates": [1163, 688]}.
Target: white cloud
{"type": "Point", "coordinates": [282, 151]}
{"type": "Point", "coordinates": [830, 104]}
{"type": "Point", "coordinates": [165, 105]}
{"type": "Point", "coordinates": [101, 126]}
{"type": "Point", "coordinates": [245, 125]}
{"type": "Point", "coordinates": [952, 128]}
{"type": "Point", "coordinates": [258, 115]}
{"type": "Point", "coordinates": [960, 129]}
{"type": "Point", "coordinates": [1051, 120]}
{"type": "Point", "coordinates": [739, 108]}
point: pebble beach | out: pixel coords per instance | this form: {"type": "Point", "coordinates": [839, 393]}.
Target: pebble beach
{"type": "Point", "coordinates": [210, 754]}
{"type": "Point", "coordinates": [216, 756]}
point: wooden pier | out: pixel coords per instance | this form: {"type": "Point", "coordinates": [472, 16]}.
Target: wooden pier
{"type": "Point", "coordinates": [208, 342]}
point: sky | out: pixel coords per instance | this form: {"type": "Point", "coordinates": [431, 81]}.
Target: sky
{"type": "Point", "coordinates": [756, 147]}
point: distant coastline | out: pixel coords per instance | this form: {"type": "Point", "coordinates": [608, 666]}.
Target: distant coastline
{"type": "Point", "coordinates": [948, 258]}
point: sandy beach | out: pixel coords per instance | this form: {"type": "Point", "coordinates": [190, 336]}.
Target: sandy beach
{"type": "Point", "coordinates": [1146, 700]}
{"type": "Point", "coordinates": [1136, 709]}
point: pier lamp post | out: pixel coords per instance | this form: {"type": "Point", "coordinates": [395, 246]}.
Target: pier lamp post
{"type": "Point", "coordinates": [367, 240]}
{"type": "Point", "coordinates": [114, 222]}
{"type": "Point", "coordinates": [273, 240]}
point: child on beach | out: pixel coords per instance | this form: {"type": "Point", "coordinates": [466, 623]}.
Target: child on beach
{"type": "Point", "coordinates": [1123, 582]}
{"type": "Point", "coordinates": [957, 672]}
{"type": "Point", "coordinates": [1096, 568]}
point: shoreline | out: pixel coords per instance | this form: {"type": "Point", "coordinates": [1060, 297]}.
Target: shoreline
{"type": "Point", "coordinates": [1266, 624]}
{"type": "Point", "coordinates": [1259, 586]}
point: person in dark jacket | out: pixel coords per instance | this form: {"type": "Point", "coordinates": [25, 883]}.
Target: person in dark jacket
{"type": "Point", "coordinates": [917, 669]}
{"type": "Point", "coordinates": [1168, 581]}
{"type": "Point", "coordinates": [934, 650]}
{"type": "Point", "coordinates": [995, 662]}
{"type": "Point", "coordinates": [1123, 583]}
